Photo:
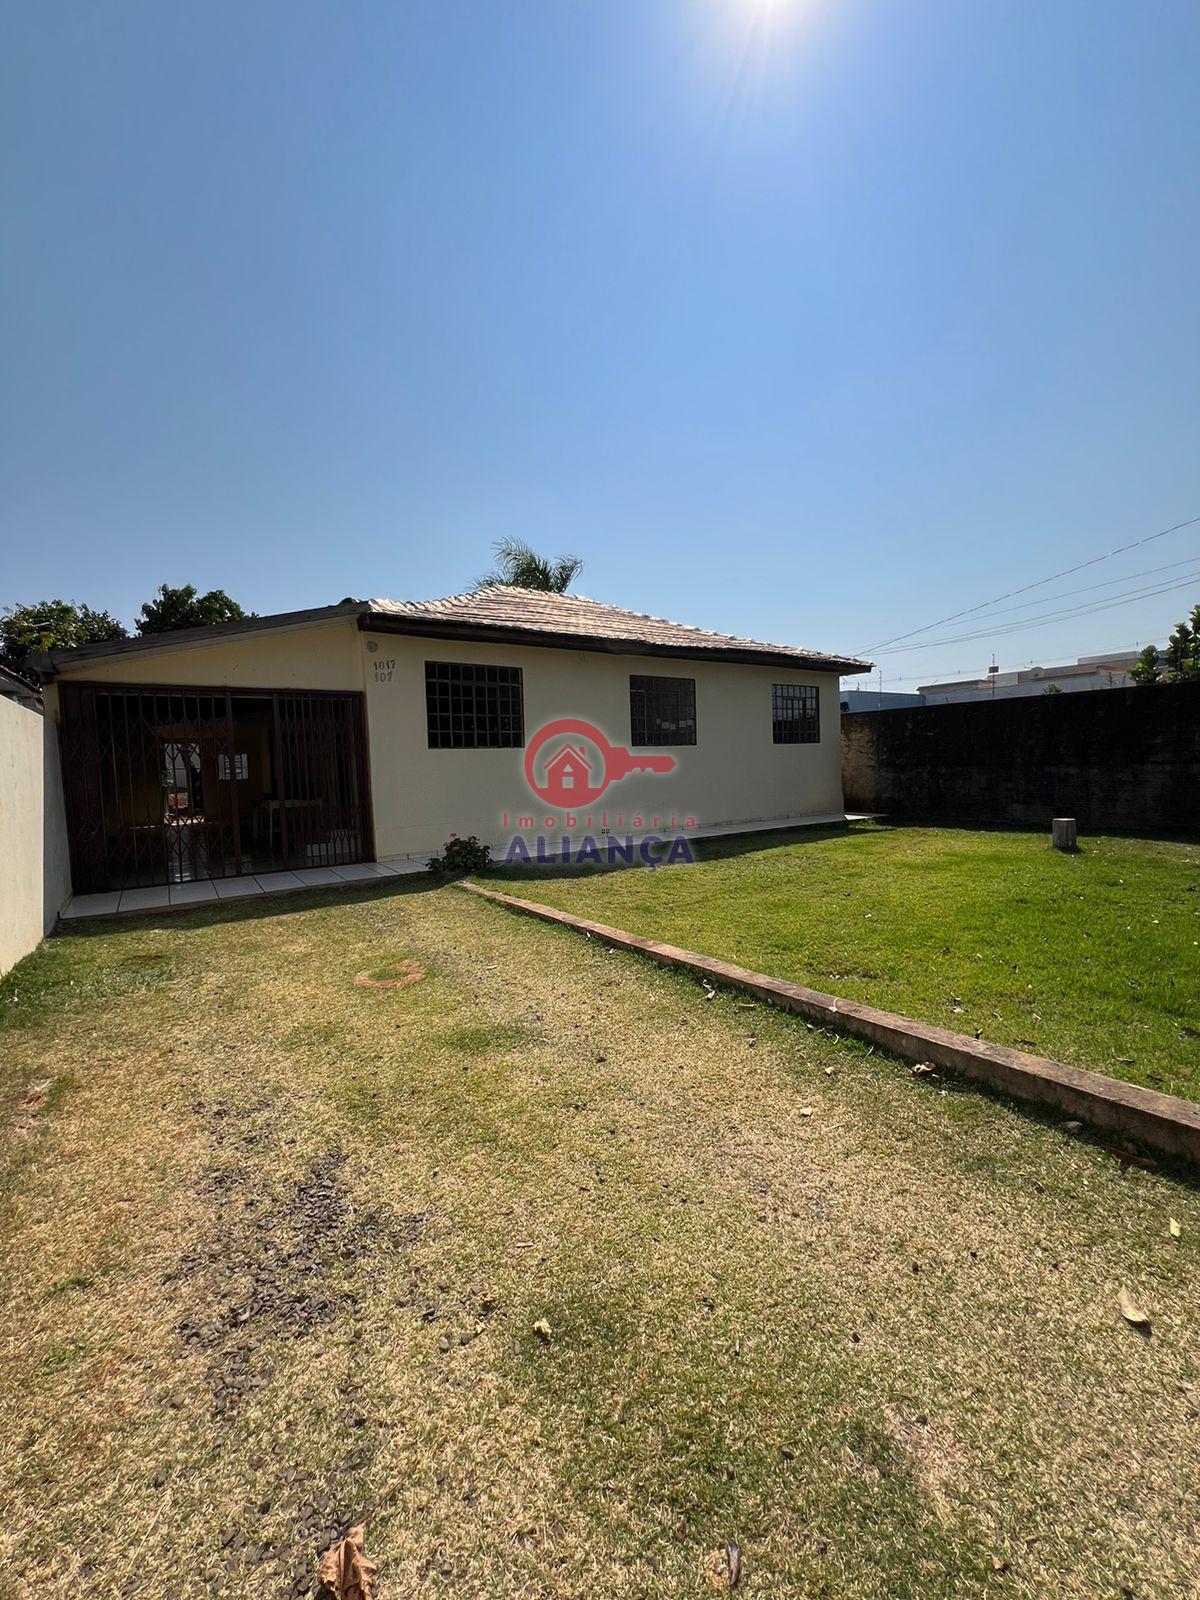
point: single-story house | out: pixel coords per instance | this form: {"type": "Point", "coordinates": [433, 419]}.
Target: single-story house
{"type": "Point", "coordinates": [375, 728]}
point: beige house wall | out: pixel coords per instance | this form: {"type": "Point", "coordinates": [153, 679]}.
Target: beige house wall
{"type": "Point", "coordinates": [321, 655]}
{"type": "Point", "coordinates": [734, 773]}
{"type": "Point", "coordinates": [34, 877]}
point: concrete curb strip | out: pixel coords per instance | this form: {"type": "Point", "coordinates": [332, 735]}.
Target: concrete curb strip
{"type": "Point", "coordinates": [1158, 1121]}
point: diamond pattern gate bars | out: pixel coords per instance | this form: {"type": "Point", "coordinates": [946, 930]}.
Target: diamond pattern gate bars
{"type": "Point", "coordinates": [166, 784]}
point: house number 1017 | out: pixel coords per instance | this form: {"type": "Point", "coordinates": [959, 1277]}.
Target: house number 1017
{"type": "Point", "coordinates": [384, 670]}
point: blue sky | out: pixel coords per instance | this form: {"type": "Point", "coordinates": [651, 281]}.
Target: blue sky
{"type": "Point", "coordinates": [814, 320]}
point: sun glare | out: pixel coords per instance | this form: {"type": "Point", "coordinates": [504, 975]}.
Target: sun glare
{"type": "Point", "coordinates": [753, 31]}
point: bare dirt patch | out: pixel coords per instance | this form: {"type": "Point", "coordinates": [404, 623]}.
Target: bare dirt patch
{"type": "Point", "coordinates": [394, 975]}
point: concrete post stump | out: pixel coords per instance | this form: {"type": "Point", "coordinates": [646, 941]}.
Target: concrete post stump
{"type": "Point", "coordinates": [1063, 833]}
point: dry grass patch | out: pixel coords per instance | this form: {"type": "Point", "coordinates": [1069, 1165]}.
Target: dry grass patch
{"type": "Point", "coordinates": [277, 1247]}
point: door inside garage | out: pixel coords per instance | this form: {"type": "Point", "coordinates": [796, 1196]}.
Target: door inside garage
{"type": "Point", "coordinates": [170, 785]}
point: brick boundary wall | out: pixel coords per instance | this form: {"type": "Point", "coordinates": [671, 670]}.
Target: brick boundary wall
{"type": "Point", "coordinates": [1158, 1121]}
{"type": "Point", "coordinates": [1127, 759]}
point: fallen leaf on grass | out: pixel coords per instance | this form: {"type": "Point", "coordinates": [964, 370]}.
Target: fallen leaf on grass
{"type": "Point", "coordinates": [542, 1328]}
{"type": "Point", "coordinates": [734, 1557]}
{"type": "Point", "coordinates": [723, 1568]}
{"type": "Point", "coordinates": [806, 1111]}
{"type": "Point", "coordinates": [1131, 1311]}
{"type": "Point", "coordinates": [1072, 1127]}
{"type": "Point", "coordinates": [1176, 1230]}
{"type": "Point", "coordinates": [923, 1067]}
{"type": "Point", "coordinates": [345, 1571]}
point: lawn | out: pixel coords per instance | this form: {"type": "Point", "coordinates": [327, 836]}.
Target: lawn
{"type": "Point", "coordinates": [275, 1247]}
{"type": "Point", "coordinates": [1092, 958]}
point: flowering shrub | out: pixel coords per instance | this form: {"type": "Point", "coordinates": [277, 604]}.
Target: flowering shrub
{"type": "Point", "coordinates": [462, 855]}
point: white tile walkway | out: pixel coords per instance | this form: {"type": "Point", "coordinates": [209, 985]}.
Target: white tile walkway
{"type": "Point", "coordinates": [168, 897]}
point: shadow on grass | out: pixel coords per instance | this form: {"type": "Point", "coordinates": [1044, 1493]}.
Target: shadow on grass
{"type": "Point", "coordinates": [723, 848]}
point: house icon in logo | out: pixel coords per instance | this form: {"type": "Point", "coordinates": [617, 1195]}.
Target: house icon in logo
{"type": "Point", "coordinates": [568, 771]}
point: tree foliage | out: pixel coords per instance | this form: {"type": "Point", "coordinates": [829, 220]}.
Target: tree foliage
{"type": "Point", "coordinates": [520, 567]}
{"type": "Point", "coordinates": [1179, 662]}
{"type": "Point", "coordinates": [52, 625]}
{"type": "Point", "coordinates": [29, 630]}
{"type": "Point", "coordinates": [185, 608]}
{"type": "Point", "coordinates": [1147, 667]}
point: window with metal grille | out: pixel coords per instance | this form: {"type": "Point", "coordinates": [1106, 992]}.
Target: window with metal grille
{"type": "Point", "coordinates": [795, 714]}
{"type": "Point", "coordinates": [662, 711]}
{"type": "Point", "coordinates": [472, 707]}
{"type": "Point", "coordinates": [241, 766]}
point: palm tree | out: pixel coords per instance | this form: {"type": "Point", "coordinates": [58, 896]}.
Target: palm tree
{"type": "Point", "coordinates": [522, 568]}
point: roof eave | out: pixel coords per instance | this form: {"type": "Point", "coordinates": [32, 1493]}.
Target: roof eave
{"type": "Point", "coordinates": [500, 633]}
{"type": "Point", "coordinates": [48, 664]}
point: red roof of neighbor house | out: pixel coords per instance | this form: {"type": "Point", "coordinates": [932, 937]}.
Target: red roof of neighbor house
{"type": "Point", "coordinates": [509, 610]}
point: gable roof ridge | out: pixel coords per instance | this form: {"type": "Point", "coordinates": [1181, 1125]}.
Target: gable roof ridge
{"type": "Point", "coordinates": [505, 590]}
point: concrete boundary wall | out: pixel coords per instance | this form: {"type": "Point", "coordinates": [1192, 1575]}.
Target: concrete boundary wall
{"type": "Point", "coordinates": [1127, 759]}
{"type": "Point", "coordinates": [1158, 1121]}
{"type": "Point", "coordinates": [35, 873]}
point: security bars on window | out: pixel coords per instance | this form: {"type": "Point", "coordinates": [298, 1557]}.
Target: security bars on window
{"type": "Point", "coordinates": [662, 711]}
{"type": "Point", "coordinates": [795, 714]}
{"type": "Point", "coordinates": [473, 707]}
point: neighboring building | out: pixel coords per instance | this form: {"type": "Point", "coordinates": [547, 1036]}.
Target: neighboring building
{"type": "Point", "coordinates": [373, 729]}
{"type": "Point", "coordinates": [13, 687]}
{"type": "Point", "coordinates": [1109, 671]}
{"type": "Point", "coordinates": [878, 700]}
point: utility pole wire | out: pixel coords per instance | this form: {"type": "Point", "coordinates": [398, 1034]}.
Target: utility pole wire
{"type": "Point", "coordinates": [1090, 608]}
{"type": "Point", "coordinates": [1041, 582]}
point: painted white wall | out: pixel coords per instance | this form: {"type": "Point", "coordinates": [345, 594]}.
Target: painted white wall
{"type": "Point", "coordinates": [34, 874]}
{"type": "Point", "coordinates": [734, 772]}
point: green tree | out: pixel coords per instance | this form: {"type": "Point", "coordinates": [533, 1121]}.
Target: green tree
{"type": "Point", "coordinates": [1148, 666]}
{"type": "Point", "coordinates": [1180, 656]}
{"type": "Point", "coordinates": [185, 608]}
{"type": "Point", "coordinates": [520, 567]}
{"type": "Point", "coordinates": [52, 625]}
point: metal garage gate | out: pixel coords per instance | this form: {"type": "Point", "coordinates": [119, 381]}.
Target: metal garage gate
{"type": "Point", "coordinates": [169, 785]}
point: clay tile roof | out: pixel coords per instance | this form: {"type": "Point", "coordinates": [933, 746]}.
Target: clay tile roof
{"type": "Point", "coordinates": [509, 609]}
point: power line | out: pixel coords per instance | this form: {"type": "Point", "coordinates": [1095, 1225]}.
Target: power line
{"type": "Point", "coordinates": [1040, 584]}
{"type": "Point", "coordinates": [1089, 588]}
{"type": "Point", "coordinates": [1088, 609]}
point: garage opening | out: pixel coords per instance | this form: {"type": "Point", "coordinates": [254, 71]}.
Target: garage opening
{"type": "Point", "coordinates": [173, 785]}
